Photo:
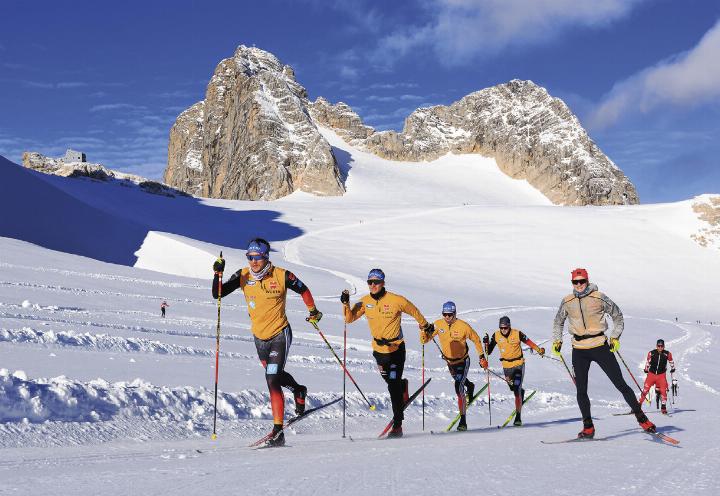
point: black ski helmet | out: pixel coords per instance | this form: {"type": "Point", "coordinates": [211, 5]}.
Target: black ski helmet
{"type": "Point", "coordinates": [504, 321]}
{"type": "Point", "coordinates": [660, 342]}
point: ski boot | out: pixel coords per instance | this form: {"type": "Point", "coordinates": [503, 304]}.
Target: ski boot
{"type": "Point", "coordinates": [470, 390]}
{"type": "Point", "coordinates": [644, 422]}
{"type": "Point", "coordinates": [278, 438]}
{"type": "Point", "coordinates": [518, 420]}
{"type": "Point", "coordinates": [663, 409]}
{"type": "Point", "coordinates": [300, 394]}
{"type": "Point", "coordinates": [588, 431]}
{"type": "Point", "coordinates": [406, 394]}
{"type": "Point", "coordinates": [462, 426]}
{"type": "Point", "coordinates": [396, 430]}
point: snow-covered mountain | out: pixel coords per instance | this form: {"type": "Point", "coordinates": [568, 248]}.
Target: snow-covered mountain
{"type": "Point", "coordinates": [98, 393]}
{"type": "Point", "coordinates": [255, 137]}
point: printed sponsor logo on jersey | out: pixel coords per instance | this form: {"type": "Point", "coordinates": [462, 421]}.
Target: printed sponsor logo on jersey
{"type": "Point", "coordinates": [291, 276]}
{"type": "Point", "coordinates": [369, 305]}
{"type": "Point", "coordinates": [273, 353]}
{"type": "Point", "coordinates": [273, 285]}
{"type": "Point", "coordinates": [251, 304]}
{"type": "Point", "coordinates": [251, 282]}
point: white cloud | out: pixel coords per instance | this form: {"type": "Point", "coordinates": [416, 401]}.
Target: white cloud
{"type": "Point", "coordinates": [460, 30]}
{"type": "Point", "coordinates": [391, 86]}
{"type": "Point", "coordinates": [116, 106]}
{"type": "Point", "coordinates": [348, 72]}
{"type": "Point", "coordinates": [689, 79]}
{"type": "Point", "coordinates": [71, 84]}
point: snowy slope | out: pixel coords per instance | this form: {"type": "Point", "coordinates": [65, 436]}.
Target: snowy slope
{"type": "Point", "coordinates": [98, 393]}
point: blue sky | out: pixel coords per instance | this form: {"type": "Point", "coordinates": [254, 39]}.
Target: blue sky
{"type": "Point", "coordinates": [109, 78]}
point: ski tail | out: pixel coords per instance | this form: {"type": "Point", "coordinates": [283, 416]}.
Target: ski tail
{"type": "Point", "coordinates": [407, 403]}
{"type": "Point", "coordinates": [472, 400]}
{"type": "Point", "coordinates": [268, 437]}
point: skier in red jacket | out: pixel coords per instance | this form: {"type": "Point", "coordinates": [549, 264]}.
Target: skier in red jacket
{"type": "Point", "coordinates": [655, 367]}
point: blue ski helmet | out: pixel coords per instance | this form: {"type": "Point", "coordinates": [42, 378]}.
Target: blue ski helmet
{"type": "Point", "coordinates": [260, 246]}
{"type": "Point", "coordinates": [376, 275]}
{"type": "Point", "coordinates": [449, 307]}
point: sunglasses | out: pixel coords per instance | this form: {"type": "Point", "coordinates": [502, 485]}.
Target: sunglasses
{"type": "Point", "coordinates": [577, 282]}
{"type": "Point", "coordinates": [255, 257]}
{"type": "Point", "coordinates": [504, 328]}
{"type": "Point", "coordinates": [447, 314]}
{"type": "Point", "coordinates": [661, 346]}
{"type": "Point", "coordinates": [374, 282]}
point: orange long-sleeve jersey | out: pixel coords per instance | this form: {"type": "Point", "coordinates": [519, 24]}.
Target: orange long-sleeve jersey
{"type": "Point", "coordinates": [453, 340]}
{"type": "Point", "coordinates": [384, 316]}
{"type": "Point", "coordinates": [511, 354]}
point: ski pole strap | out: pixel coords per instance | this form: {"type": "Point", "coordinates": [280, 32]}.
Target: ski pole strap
{"type": "Point", "coordinates": [587, 336]}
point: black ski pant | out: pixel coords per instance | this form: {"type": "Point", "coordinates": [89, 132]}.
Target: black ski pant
{"type": "Point", "coordinates": [581, 360]}
{"type": "Point", "coordinates": [391, 369]}
{"type": "Point", "coordinates": [273, 356]}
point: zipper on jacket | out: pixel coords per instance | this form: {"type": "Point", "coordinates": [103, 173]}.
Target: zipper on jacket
{"type": "Point", "coordinates": [582, 315]}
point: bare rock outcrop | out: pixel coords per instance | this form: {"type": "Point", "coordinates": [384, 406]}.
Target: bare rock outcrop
{"type": "Point", "coordinates": [530, 134]}
{"type": "Point", "coordinates": [341, 119]}
{"type": "Point", "coordinates": [58, 167]}
{"type": "Point", "coordinates": [252, 138]}
{"type": "Point", "coordinates": [707, 209]}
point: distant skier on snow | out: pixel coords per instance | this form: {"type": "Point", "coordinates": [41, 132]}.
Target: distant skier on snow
{"type": "Point", "coordinates": [453, 334]}
{"type": "Point", "coordinates": [508, 341]}
{"type": "Point", "coordinates": [655, 368]}
{"type": "Point", "coordinates": [586, 308]}
{"type": "Point", "coordinates": [265, 287]}
{"type": "Point", "coordinates": [163, 306]}
{"type": "Point", "coordinates": [383, 311]}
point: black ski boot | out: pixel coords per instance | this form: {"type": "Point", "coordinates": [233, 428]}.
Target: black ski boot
{"type": "Point", "coordinates": [588, 431]}
{"type": "Point", "coordinates": [300, 394]}
{"type": "Point", "coordinates": [470, 390]}
{"type": "Point", "coordinates": [462, 426]}
{"type": "Point", "coordinates": [396, 430]}
{"type": "Point", "coordinates": [663, 409]}
{"type": "Point", "coordinates": [518, 420]}
{"type": "Point", "coordinates": [278, 438]}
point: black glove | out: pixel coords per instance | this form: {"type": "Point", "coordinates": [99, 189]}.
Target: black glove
{"type": "Point", "coordinates": [672, 371]}
{"type": "Point", "coordinates": [315, 315]}
{"type": "Point", "coordinates": [486, 339]}
{"type": "Point", "coordinates": [429, 328]}
{"type": "Point", "coordinates": [219, 265]}
{"type": "Point", "coordinates": [345, 297]}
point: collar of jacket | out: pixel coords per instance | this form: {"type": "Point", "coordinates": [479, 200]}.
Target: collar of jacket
{"type": "Point", "coordinates": [589, 289]}
{"type": "Point", "coordinates": [378, 295]}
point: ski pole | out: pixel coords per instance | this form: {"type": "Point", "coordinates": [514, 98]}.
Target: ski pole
{"type": "Point", "coordinates": [486, 345]}
{"type": "Point", "coordinates": [562, 359]}
{"type": "Point", "coordinates": [423, 391]}
{"type": "Point", "coordinates": [217, 355]}
{"type": "Point", "coordinates": [617, 352]}
{"type": "Point", "coordinates": [344, 378]}
{"type": "Point", "coordinates": [314, 324]}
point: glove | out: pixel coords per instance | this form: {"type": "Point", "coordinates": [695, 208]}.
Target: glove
{"type": "Point", "coordinates": [646, 370]}
{"type": "Point", "coordinates": [315, 315]}
{"type": "Point", "coordinates": [541, 351]}
{"type": "Point", "coordinates": [557, 345]}
{"type": "Point", "coordinates": [219, 266]}
{"type": "Point", "coordinates": [672, 371]}
{"type": "Point", "coordinates": [429, 328]}
{"type": "Point", "coordinates": [345, 297]}
{"type": "Point", "coordinates": [614, 344]}
{"type": "Point", "coordinates": [483, 362]}
{"type": "Point", "coordinates": [486, 339]}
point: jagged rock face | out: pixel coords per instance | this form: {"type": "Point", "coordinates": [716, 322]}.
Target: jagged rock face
{"type": "Point", "coordinates": [185, 166]}
{"type": "Point", "coordinates": [707, 209]}
{"type": "Point", "coordinates": [342, 119]}
{"type": "Point", "coordinates": [57, 167]}
{"type": "Point", "coordinates": [530, 134]}
{"type": "Point", "coordinates": [256, 140]}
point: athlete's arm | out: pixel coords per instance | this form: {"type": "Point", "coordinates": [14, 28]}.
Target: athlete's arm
{"type": "Point", "coordinates": [473, 336]}
{"type": "Point", "coordinates": [529, 342]}
{"type": "Point", "coordinates": [228, 286]}
{"type": "Point", "coordinates": [354, 313]}
{"type": "Point", "coordinates": [292, 282]}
